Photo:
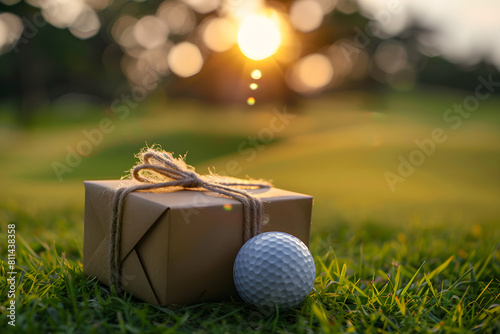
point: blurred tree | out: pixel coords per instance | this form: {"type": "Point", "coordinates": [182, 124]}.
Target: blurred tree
{"type": "Point", "coordinates": [52, 48]}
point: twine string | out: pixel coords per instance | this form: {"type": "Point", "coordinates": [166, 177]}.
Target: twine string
{"type": "Point", "coordinates": [159, 169]}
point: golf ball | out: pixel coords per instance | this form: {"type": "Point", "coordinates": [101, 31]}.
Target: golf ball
{"type": "Point", "coordinates": [274, 268]}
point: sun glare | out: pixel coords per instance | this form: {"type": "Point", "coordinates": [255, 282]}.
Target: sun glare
{"type": "Point", "coordinates": [258, 37]}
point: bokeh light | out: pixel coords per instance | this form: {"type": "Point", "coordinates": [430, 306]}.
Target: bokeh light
{"type": "Point", "coordinates": [185, 59]}
{"type": "Point", "coordinates": [139, 72]}
{"type": "Point", "coordinates": [179, 18]}
{"type": "Point", "coordinates": [258, 37]}
{"type": "Point", "coordinates": [157, 59]}
{"type": "Point", "coordinates": [10, 2]}
{"type": "Point", "coordinates": [241, 9]}
{"type": "Point", "coordinates": [347, 6]}
{"type": "Point", "coordinates": [11, 28]}
{"type": "Point", "coordinates": [4, 32]}
{"type": "Point", "coordinates": [150, 32]}
{"type": "Point", "coordinates": [251, 101]}
{"type": "Point", "coordinates": [79, 16]}
{"type": "Point", "coordinates": [203, 6]}
{"type": "Point", "coordinates": [391, 56]}
{"type": "Point", "coordinates": [256, 74]}
{"type": "Point", "coordinates": [349, 62]}
{"type": "Point", "coordinates": [294, 33]}
{"type": "Point", "coordinates": [98, 4]}
{"type": "Point", "coordinates": [306, 15]}
{"type": "Point", "coordinates": [341, 58]}
{"type": "Point", "coordinates": [64, 14]}
{"type": "Point", "coordinates": [393, 65]}
{"type": "Point", "coordinates": [123, 31]}
{"type": "Point", "coordinates": [86, 25]}
{"type": "Point", "coordinates": [219, 34]}
{"type": "Point", "coordinates": [310, 74]}
{"type": "Point", "coordinates": [327, 5]}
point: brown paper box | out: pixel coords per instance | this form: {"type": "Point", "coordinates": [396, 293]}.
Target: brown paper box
{"type": "Point", "coordinates": [179, 247]}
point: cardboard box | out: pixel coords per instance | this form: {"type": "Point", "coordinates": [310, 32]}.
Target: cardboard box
{"type": "Point", "coordinates": [179, 247]}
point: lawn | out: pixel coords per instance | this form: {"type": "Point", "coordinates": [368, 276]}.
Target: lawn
{"type": "Point", "coordinates": [421, 258]}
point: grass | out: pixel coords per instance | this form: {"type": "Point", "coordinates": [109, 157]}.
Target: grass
{"type": "Point", "coordinates": [354, 138]}
{"type": "Point", "coordinates": [422, 259]}
{"type": "Point", "coordinates": [371, 277]}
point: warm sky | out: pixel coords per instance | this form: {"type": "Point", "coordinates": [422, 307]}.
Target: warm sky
{"type": "Point", "coordinates": [464, 31]}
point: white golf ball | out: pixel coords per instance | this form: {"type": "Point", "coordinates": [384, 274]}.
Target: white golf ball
{"type": "Point", "coordinates": [274, 268]}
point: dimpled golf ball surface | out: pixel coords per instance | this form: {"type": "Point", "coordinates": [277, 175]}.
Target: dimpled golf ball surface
{"type": "Point", "coordinates": [274, 268]}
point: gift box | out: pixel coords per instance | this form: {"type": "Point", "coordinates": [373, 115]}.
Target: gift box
{"type": "Point", "coordinates": [179, 247]}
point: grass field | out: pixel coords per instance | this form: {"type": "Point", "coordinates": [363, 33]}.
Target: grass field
{"type": "Point", "coordinates": [423, 258]}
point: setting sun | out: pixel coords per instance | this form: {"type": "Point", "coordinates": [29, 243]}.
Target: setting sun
{"type": "Point", "coordinates": [258, 37]}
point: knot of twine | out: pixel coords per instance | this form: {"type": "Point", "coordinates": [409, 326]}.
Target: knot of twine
{"type": "Point", "coordinates": [159, 169]}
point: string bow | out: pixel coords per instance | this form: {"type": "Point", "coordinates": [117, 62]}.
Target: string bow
{"type": "Point", "coordinates": [159, 169]}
